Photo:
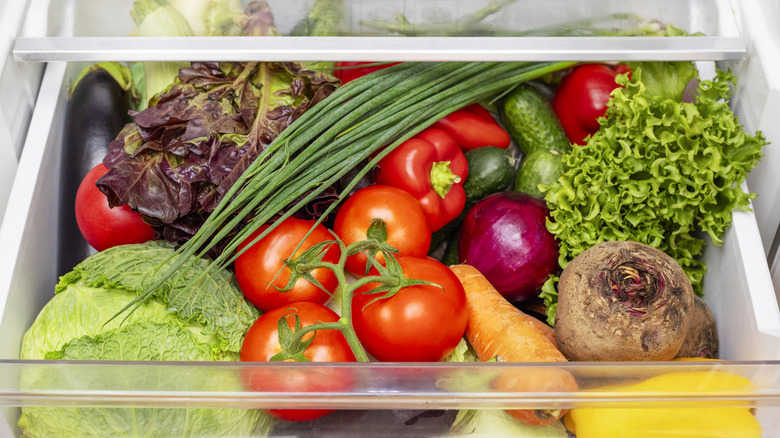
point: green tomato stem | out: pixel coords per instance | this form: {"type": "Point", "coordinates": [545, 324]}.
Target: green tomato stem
{"type": "Point", "coordinates": [347, 289]}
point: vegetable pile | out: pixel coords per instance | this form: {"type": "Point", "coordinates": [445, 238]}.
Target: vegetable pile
{"type": "Point", "coordinates": [293, 212]}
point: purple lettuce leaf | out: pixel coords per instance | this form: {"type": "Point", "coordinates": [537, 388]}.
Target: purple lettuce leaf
{"type": "Point", "coordinates": [181, 155]}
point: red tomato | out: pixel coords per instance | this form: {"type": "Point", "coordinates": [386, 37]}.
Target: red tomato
{"type": "Point", "coordinates": [102, 226]}
{"type": "Point", "coordinates": [582, 96]}
{"type": "Point", "coordinates": [262, 343]}
{"type": "Point", "coordinates": [258, 268]}
{"type": "Point", "coordinates": [419, 323]}
{"type": "Point", "coordinates": [350, 74]}
{"type": "Point", "coordinates": [407, 226]}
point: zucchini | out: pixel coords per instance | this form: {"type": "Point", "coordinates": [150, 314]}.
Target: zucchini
{"type": "Point", "coordinates": [531, 121]}
{"type": "Point", "coordinates": [450, 256]}
{"type": "Point", "coordinates": [540, 167]}
{"type": "Point", "coordinates": [97, 110]}
{"type": "Point", "coordinates": [491, 170]}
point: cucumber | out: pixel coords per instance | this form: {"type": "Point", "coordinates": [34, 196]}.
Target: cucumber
{"type": "Point", "coordinates": [491, 170]}
{"type": "Point", "coordinates": [531, 121]}
{"type": "Point", "coordinates": [450, 256]}
{"type": "Point", "coordinates": [539, 167]}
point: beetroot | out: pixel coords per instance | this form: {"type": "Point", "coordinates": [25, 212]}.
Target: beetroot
{"type": "Point", "coordinates": [505, 237]}
{"type": "Point", "coordinates": [622, 300]}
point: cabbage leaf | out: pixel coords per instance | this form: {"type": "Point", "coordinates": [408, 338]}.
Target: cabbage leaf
{"type": "Point", "coordinates": [217, 303]}
{"type": "Point", "coordinates": [204, 323]}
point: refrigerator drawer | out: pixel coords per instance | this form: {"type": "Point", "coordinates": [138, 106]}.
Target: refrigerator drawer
{"type": "Point", "coordinates": [384, 399]}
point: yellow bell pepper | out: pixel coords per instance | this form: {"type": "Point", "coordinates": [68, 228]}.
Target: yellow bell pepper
{"type": "Point", "coordinates": [715, 419]}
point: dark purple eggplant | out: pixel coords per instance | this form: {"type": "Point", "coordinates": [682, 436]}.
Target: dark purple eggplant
{"type": "Point", "coordinates": [97, 109]}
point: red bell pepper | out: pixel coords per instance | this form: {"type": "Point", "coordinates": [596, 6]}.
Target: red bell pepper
{"type": "Point", "coordinates": [432, 168]}
{"type": "Point", "coordinates": [350, 74]}
{"type": "Point", "coordinates": [582, 96]}
{"type": "Point", "coordinates": [473, 127]}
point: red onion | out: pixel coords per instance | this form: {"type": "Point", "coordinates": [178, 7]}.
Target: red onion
{"type": "Point", "coordinates": [505, 237]}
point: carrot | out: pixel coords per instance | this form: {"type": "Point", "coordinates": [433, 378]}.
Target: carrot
{"type": "Point", "coordinates": [497, 329]}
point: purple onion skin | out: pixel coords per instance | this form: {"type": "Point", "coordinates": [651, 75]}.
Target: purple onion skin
{"type": "Point", "coordinates": [505, 237]}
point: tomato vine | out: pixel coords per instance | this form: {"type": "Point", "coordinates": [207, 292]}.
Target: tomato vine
{"type": "Point", "coordinates": [389, 279]}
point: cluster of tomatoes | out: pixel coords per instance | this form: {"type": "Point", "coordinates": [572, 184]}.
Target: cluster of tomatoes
{"type": "Point", "coordinates": [419, 189]}
{"type": "Point", "coordinates": [419, 323]}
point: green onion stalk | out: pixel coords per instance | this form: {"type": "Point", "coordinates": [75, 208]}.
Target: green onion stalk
{"type": "Point", "coordinates": [368, 116]}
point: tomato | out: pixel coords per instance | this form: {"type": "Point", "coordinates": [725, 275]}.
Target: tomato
{"type": "Point", "coordinates": [261, 343]}
{"type": "Point", "coordinates": [259, 268]}
{"type": "Point", "coordinates": [102, 226]}
{"type": "Point", "coordinates": [407, 226]}
{"type": "Point", "coordinates": [581, 98]}
{"type": "Point", "coordinates": [419, 323]}
{"type": "Point", "coordinates": [350, 74]}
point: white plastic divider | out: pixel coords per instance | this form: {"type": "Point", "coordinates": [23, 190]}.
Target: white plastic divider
{"type": "Point", "coordinates": [18, 88]}
{"type": "Point", "coordinates": [379, 49]}
{"type": "Point", "coordinates": [757, 102]}
{"type": "Point", "coordinates": [29, 231]}
{"type": "Point", "coordinates": [92, 30]}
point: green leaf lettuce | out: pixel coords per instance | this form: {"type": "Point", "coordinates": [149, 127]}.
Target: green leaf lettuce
{"type": "Point", "coordinates": [659, 171]}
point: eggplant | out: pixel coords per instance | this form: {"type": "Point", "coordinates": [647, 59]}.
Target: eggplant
{"type": "Point", "coordinates": [98, 107]}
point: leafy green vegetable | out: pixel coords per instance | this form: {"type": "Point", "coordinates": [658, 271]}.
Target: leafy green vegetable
{"type": "Point", "coordinates": [462, 353]}
{"type": "Point", "coordinates": [182, 18]}
{"type": "Point", "coordinates": [658, 171]}
{"type": "Point", "coordinates": [113, 345]}
{"type": "Point", "coordinates": [143, 422]}
{"type": "Point", "coordinates": [218, 305]}
{"type": "Point", "coordinates": [183, 153]}
{"type": "Point", "coordinates": [665, 80]}
{"type": "Point", "coordinates": [204, 323]}
{"type": "Point", "coordinates": [210, 17]}
{"type": "Point", "coordinates": [155, 18]}
{"type": "Point", "coordinates": [222, 17]}
{"type": "Point", "coordinates": [79, 310]}
{"type": "Point", "coordinates": [324, 18]}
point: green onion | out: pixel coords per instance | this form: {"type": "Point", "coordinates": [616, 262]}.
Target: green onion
{"type": "Point", "coordinates": [373, 114]}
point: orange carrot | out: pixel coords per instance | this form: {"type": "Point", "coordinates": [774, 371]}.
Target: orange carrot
{"type": "Point", "coordinates": [546, 330]}
{"type": "Point", "coordinates": [497, 329]}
